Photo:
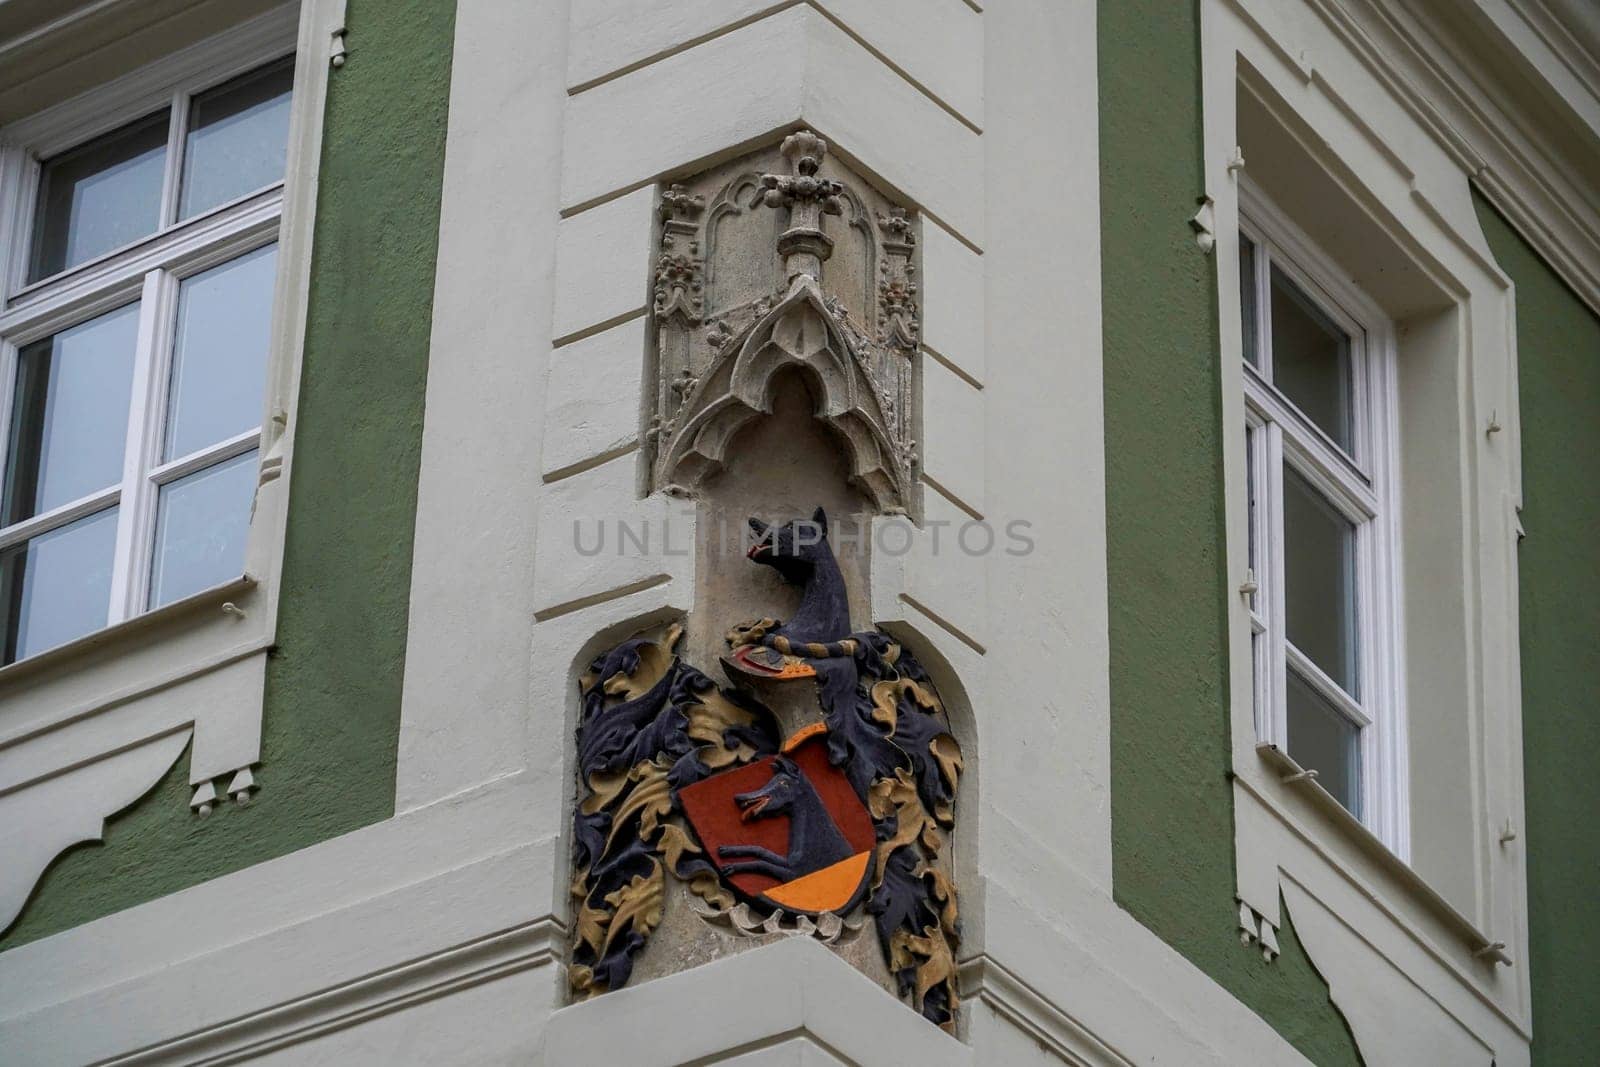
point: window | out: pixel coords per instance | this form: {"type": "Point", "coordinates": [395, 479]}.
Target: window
{"type": "Point", "coordinates": [1319, 395]}
{"type": "Point", "coordinates": [133, 351]}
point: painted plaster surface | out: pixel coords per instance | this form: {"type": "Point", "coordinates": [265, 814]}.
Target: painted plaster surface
{"type": "Point", "coordinates": [1558, 374]}
{"type": "Point", "coordinates": [333, 685]}
{"type": "Point", "coordinates": [1171, 804]}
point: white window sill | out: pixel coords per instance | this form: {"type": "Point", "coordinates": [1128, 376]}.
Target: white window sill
{"type": "Point", "coordinates": [127, 632]}
{"type": "Point", "coordinates": [1282, 767]}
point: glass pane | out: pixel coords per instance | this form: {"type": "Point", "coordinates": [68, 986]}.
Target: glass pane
{"type": "Point", "coordinates": [238, 136]}
{"type": "Point", "coordinates": [1311, 360]}
{"type": "Point", "coordinates": [1247, 300]}
{"type": "Point", "coordinates": [57, 586]}
{"type": "Point", "coordinates": [1323, 740]}
{"type": "Point", "coordinates": [1320, 580]}
{"type": "Point", "coordinates": [201, 522]}
{"type": "Point", "coordinates": [219, 353]}
{"type": "Point", "coordinates": [69, 419]}
{"type": "Point", "coordinates": [99, 196]}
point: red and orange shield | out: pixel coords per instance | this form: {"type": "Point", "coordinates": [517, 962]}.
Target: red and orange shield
{"type": "Point", "coordinates": [787, 830]}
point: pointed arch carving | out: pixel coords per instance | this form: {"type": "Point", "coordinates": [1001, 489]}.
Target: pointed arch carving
{"type": "Point", "coordinates": [741, 258]}
{"type": "Point", "coordinates": [856, 260]}
{"type": "Point", "coordinates": [782, 292]}
{"type": "Point", "coordinates": [808, 331]}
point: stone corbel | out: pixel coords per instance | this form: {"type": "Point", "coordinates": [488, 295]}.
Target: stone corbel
{"type": "Point", "coordinates": [336, 49]}
{"type": "Point", "coordinates": [1204, 225]}
{"type": "Point", "coordinates": [60, 780]}
{"type": "Point", "coordinates": [41, 820]}
{"type": "Point", "coordinates": [1254, 927]}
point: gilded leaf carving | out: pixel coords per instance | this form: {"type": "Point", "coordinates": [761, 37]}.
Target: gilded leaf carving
{"type": "Point", "coordinates": [680, 773]}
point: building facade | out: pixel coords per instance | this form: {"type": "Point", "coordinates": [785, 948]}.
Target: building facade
{"type": "Point", "coordinates": [1181, 421]}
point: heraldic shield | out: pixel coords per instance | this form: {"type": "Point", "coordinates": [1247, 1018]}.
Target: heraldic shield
{"type": "Point", "coordinates": [787, 830]}
{"type": "Point", "coordinates": [848, 817]}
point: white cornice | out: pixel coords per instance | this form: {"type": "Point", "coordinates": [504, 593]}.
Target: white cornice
{"type": "Point", "coordinates": [1510, 141]}
{"type": "Point", "coordinates": [1570, 25]}
{"type": "Point", "coordinates": [532, 944]}
{"type": "Point", "coordinates": [31, 36]}
{"type": "Point", "coordinates": [985, 980]}
{"type": "Point", "coordinates": [793, 990]}
{"type": "Point", "coordinates": [107, 106]}
{"type": "Point", "coordinates": [1557, 48]}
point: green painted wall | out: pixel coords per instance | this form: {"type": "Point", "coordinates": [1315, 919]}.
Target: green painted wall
{"type": "Point", "coordinates": [1171, 800]}
{"type": "Point", "coordinates": [1558, 371]}
{"type": "Point", "coordinates": [333, 686]}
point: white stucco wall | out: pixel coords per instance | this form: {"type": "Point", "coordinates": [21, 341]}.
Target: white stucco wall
{"type": "Point", "coordinates": [438, 935]}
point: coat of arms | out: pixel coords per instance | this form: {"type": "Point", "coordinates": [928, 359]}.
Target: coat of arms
{"type": "Point", "coordinates": [793, 834]}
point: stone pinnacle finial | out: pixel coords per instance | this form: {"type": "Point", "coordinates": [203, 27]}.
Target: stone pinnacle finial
{"type": "Point", "coordinates": [804, 245]}
{"type": "Point", "coordinates": [678, 203]}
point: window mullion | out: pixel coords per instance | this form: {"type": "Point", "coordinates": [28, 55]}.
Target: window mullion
{"type": "Point", "coordinates": [1276, 608]}
{"type": "Point", "coordinates": [8, 389]}
{"type": "Point", "coordinates": [1259, 602]}
{"type": "Point", "coordinates": [177, 133]}
{"type": "Point", "coordinates": [1263, 268]}
{"type": "Point", "coordinates": [56, 518]}
{"type": "Point", "coordinates": [174, 470]}
{"type": "Point", "coordinates": [18, 183]}
{"type": "Point", "coordinates": [1331, 691]}
{"type": "Point", "coordinates": [144, 419]}
{"type": "Point", "coordinates": [1375, 792]}
{"type": "Point", "coordinates": [1313, 445]}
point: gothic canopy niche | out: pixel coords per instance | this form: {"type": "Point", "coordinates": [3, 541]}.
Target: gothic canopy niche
{"type": "Point", "coordinates": [785, 259]}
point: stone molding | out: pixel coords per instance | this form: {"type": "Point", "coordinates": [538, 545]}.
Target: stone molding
{"type": "Point", "coordinates": [535, 943]}
{"type": "Point", "coordinates": [987, 981]}
{"type": "Point", "coordinates": [1422, 53]}
{"type": "Point", "coordinates": [789, 989]}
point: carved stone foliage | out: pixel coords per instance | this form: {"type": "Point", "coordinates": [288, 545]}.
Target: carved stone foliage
{"type": "Point", "coordinates": [778, 260]}
{"type": "Point", "coordinates": [897, 290]}
{"type": "Point", "coordinates": [680, 276]}
{"type": "Point", "coordinates": [846, 818]}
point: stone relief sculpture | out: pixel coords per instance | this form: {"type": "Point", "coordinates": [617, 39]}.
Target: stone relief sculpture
{"type": "Point", "coordinates": [850, 809]}
{"type": "Point", "coordinates": [814, 794]}
{"type": "Point", "coordinates": [727, 322]}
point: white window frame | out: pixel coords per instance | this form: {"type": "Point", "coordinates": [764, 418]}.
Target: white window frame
{"type": "Point", "coordinates": [1362, 485]}
{"type": "Point", "coordinates": [148, 271]}
{"type": "Point", "coordinates": [92, 724]}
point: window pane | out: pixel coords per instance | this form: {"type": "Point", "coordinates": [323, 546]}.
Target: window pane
{"type": "Point", "coordinates": [238, 136]}
{"type": "Point", "coordinates": [1247, 300]}
{"type": "Point", "coordinates": [57, 586]}
{"type": "Point", "coordinates": [1311, 360]}
{"type": "Point", "coordinates": [219, 354]}
{"type": "Point", "coordinates": [99, 196]}
{"type": "Point", "coordinates": [69, 419]}
{"type": "Point", "coordinates": [1320, 579]}
{"type": "Point", "coordinates": [200, 529]}
{"type": "Point", "coordinates": [1323, 740]}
